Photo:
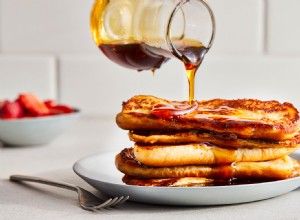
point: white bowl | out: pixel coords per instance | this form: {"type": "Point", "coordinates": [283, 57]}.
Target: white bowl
{"type": "Point", "coordinates": [35, 131]}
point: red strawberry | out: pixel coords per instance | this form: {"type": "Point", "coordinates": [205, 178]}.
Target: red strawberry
{"type": "Point", "coordinates": [11, 110]}
{"type": "Point", "coordinates": [33, 105]}
{"type": "Point", "coordinates": [56, 109]}
{"type": "Point", "coordinates": [60, 109]}
{"type": "Point", "coordinates": [2, 103]}
{"type": "Point", "coordinates": [49, 103]}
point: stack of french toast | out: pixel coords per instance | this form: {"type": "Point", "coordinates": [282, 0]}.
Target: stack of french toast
{"type": "Point", "coordinates": [210, 142]}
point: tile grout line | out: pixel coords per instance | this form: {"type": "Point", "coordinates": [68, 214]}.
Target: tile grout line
{"type": "Point", "coordinates": [57, 76]}
{"type": "Point", "coordinates": [265, 29]}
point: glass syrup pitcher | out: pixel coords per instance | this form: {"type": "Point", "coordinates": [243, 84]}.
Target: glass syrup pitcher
{"type": "Point", "coordinates": [144, 34]}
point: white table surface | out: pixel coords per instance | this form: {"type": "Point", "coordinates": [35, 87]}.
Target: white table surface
{"type": "Point", "coordinates": [90, 136]}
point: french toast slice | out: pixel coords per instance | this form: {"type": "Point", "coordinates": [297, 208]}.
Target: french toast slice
{"type": "Point", "coordinates": [204, 153]}
{"type": "Point", "coordinates": [170, 182]}
{"type": "Point", "coordinates": [222, 140]}
{"type": "Point", "coordinates": [282, 168]}
{"type": "Point", "coordinates": [246, 118]}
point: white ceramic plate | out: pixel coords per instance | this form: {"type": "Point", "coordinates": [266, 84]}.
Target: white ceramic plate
{"type": "Point", "coordinates": [100, 172]}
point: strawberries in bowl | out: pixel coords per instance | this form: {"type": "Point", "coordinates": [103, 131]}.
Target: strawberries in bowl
{"type": "Point", "coordinates": [30, 121]}
{"type": "Point", "coordinates": [28, 105]}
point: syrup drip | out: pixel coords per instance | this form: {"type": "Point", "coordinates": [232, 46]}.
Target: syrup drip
{"type": "Point", "coordinates": [191, 80]}
{"type": "Point", "coordinates": [153, 71]}
{"type": "Point", "coordinates": [192, 58]}
{"type": "Point", "coordinates": [173, 109]}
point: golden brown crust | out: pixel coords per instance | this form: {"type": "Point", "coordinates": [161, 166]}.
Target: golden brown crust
{"type": "Point", "coordinates": [282, 168]}
{"type": "Point", "coordinates": [170, 182]}
{"type": "Point", "coordinates": [225, 140]}
{"type": "Point", "coordinates": [203, 153]}
{"type": "Point", "coordinates": [247, 118]}
{"type": "Point", "coordinates": [188, 181]}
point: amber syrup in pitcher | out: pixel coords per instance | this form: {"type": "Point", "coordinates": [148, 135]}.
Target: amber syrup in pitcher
{"type": "Point", "coordinates": [134, 55]}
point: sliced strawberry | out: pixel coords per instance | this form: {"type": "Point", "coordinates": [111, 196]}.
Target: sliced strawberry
{"type": "Point", "coordinates": [50, 103]}
{"type": "Point", "coordinates": [2, 103]}
{"type": "Point", "coordinates": [32, 104]}
{"type": "Point", "coordinates": [60, 109]}
{"type": "Point", "coordinates": [11, 110]}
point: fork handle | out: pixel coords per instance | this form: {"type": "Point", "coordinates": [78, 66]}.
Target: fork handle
{"type": "Point", "coordinates": [21, 178]}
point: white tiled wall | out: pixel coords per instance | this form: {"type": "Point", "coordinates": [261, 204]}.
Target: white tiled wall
{"type": "Point", "coordinates": [283, 27]}
{"type": "Point", "coordinates": [240, 26]}
{"type": "Point", "coordinates": [46, 48]}
{"type": "Point", "coordinates": [41, 26]}
{"type": "Point", "coordinates": [32, 73]}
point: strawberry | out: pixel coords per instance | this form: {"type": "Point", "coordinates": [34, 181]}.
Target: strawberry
{"type": "Point", "coordinates": [11, 110]}
{"type": "Point", "coordinates": [56, 109]}
{"type": "Point", "coordinates": [60, 109]}
{"type": "Point", "coordinates": [49, 103]}
{"type": "Point", "coordinates": [2, 103]}
{"type": "Point", "coordinates": [33, 105]}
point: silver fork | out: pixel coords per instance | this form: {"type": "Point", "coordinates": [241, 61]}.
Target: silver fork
{"type": "Point", "coordinates": [87, 200]}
